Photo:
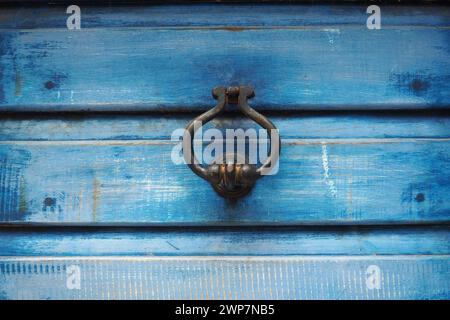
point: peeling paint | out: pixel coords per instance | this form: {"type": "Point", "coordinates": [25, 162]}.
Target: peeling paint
{"type": "Point", "coordinates": [22, 196]}
{"type": "Point", "coordinates": [326, 171]}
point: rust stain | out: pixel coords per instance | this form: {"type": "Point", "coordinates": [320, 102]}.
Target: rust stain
{"type": "Point", "coordinates": [233, 29]}
{"type": "Point", "coordinates": [95, 198]}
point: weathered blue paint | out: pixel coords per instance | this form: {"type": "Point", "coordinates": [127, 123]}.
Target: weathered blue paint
{"type": "Point", "coordinates": [378, 181]}
{"type": "Point", "coordinates": [135, 181]}
{"type": "Point", "coordinates": [223, 15]}
{"type": "Point", "coordinates": [291, 67]}
{"type": "Point", "coordinates": [253, 241]}
{"type": "Point", "coordinates": [112, 169]}
{"type": "Point", "coordinates": [297, 277]}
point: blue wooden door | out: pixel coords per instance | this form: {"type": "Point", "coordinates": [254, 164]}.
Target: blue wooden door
{"type": "Point", "coordinates": [92, 205]}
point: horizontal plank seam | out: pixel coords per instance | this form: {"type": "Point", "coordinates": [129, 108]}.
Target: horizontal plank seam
{"type": "Point", "coordinates": [230, 258]}
{"type": "Point", "coordinates": [233, 28]}
{"type": "Point", "coordinates": [169, 142]}
{"type": "Point", "coordinates": [241, 228]}
{"type": "Point", "coordinates": [11, 225]}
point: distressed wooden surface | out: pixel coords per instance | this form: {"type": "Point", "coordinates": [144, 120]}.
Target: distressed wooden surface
{"type": "Point", "coordinates": [298, 277]}
{"type": "Point", "coordinates": [367, 168]}
{"type": "Point", "coordinates": [42, 242]}
{"type": "Point", "coordinates": [371, 188]}
{"type": "Point", "coordinates": [291, 65]}
{"type": "Point", "coordinates": [135, 181]}
{"type": "Point", "coordinates": [243, 15]}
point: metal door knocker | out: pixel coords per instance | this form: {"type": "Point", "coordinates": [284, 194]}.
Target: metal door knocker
{"type": "Point", "coordinates": [233, 177]}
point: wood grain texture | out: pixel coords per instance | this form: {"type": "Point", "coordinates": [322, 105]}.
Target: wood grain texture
{"type": "Point", "coordinates": [225, 241]}
{"type": "Point", "coordinates": [223, 15]}
{"type": "Point", "coordinates": [298, 277]}
{"type": "Point", "coordinates": [100, 192]}
{"type": "Point", "coordinates": [321, 181]}
{"type": "Point", "coordinates": [117, 169]}
{"type": "Point", "coordinates": [291, 65]}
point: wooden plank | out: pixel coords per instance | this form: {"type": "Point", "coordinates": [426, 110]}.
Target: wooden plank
{"type": "Point", "coordinates": [293, 67]}
{"type": "Point", "coordinates": [223, 15]}
{"type": "Point", "coordinates": [298, 277]}
{"type": "Point", "coordinates": [225, 241]}
{"type": "Point", "coordinates": [193, 3]}
{"type": "Point", "coordinates": [320, 181]}
{"type": "Point", "coordinates": [301, 125]}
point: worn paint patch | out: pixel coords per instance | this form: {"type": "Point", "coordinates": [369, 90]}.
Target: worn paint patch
{"type": "Point", "coordinates": [282, 64]}
{"type": "Point", "coordinates": [55, 81]}
{"type": "Point", "coordinates": [95, 198]}
{"type": "Point", "coordinates": [49, 202]}
{"type": "Point", "coordinates": [23, 208]}
{"type": "Point", "coordinates": [9, 189]}
{"type": "Point", "coordinates": [59, 205]}
{"type": "Point", "coordinates": [417, 84]}
{"type": "Point", "coordinates": [417, 197]}
{"type": "Point", "coordinates": [80, 204]}
{"type": "Point", "coordinates": [52, 204]}
{"type": "Point", "coordinates": [245, 277]}
{"type": "Point", "coordinates": [12, 164]}
{"type": "Point", "coordinates": [140, 185]}
{"type": "Point", "coordinates": [18, 84]}
{"type": "Point", "coordinates": [326, 171]}
{"type": "Point", "coordinates": [332, 35]}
